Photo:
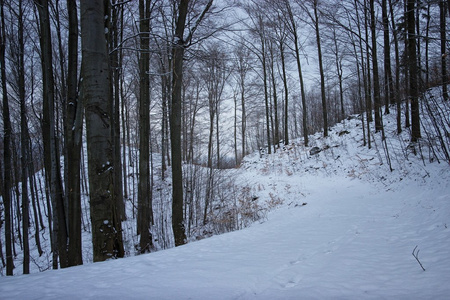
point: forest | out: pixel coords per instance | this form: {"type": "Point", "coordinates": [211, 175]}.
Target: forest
{"type": "Point", "coordinates": [121, 119]}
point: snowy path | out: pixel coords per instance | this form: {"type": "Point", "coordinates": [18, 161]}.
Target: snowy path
{"type": "Point", "coordinates": [351, 241]}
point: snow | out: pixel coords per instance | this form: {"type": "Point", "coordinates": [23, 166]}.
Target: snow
{"type": "Point", "coordinates": [345, 227]}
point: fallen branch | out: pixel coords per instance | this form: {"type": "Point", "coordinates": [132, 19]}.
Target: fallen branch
{"type": "Point", "coordinates": [416, 256]}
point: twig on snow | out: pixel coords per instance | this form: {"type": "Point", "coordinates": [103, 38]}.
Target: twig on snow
{"type": "Point", "coordinates": [416, 256]}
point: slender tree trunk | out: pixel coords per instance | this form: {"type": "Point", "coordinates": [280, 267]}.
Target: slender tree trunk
{"type": "Point", "coordinates": [243, 66]}
{"type": "Point", "coordinates": [322, 75]}
{"type": "Point", "coordinates": [443, 49]}
{"type": "Point", "coordinates": [388, 82]}
{"type": "Point", "coordinates": [144, 219]}
{"type": "Point", "coordinates": [339, 73]}
{"type": "Point", "coordinates": [178, 225]}
{"type": "Point", "coordinates": [396, 90]}
{"type": "Point", "coordinates": [266, 93]}
{"type": "Point", "coordinates": [413, 88]}
{"type": "Point", "coordinates": [368, 91]}
{"type": "Point", "coordinates": [427, 46]}
{"type": "Point", "coordinates": [74, 127]}
{"type": "Point", "coordinates": [286, 95]}
{"type": "Point", "coordinates": [419, 46]}
{"type": "Point", "coordinates": [376, 78]}
{"type": "Point", "coordinates": [164, 98]}
{"type": "Point", "coordinates": [7, 150]}
{"type": "Point", "coordinates": [116, 69]}
{"type": "Point", "coordinates": [24, 137]}
{"type": "Point", "coordinates": [217, 104]}
{"type": "Point", "coordinates": [236, 157]}
{"type": "Point", "coordinates": [293, 29]}
{"type": "Point", "coordinates": [106, 224]}
{"type": "Point", "coordinates": [406, 68]}
{"type": "Point", "coordinates": [33, 193]}
{"type": "Point", "coordinates": [275, 128]}
{"type": "Point", "coordinates": [51, 157]}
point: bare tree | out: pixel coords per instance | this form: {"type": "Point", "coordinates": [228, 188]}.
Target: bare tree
{"type": "Point", "coordinates": [145, 212]}
{"type": "Point", "coordinates": [24, 137]}
{"type": "Point", "coordinates": [73, 140]}
{"type": "Point", "coordinates": [292, 26]}
{"type": "Point", "coordinates": [180, 44]}
{"type": "Point", "coordinates": [51, 151]}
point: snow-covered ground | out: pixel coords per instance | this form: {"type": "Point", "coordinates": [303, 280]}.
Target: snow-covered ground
{"type": "Point", "coordinates": [345, 228]}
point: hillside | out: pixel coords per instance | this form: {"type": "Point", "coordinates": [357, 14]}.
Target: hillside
{"type": "Point", "coordinates": [339, 224]}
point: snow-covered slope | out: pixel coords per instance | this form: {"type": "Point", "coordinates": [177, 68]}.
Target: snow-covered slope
{"type": "Point", "coordinates": [346, 229]}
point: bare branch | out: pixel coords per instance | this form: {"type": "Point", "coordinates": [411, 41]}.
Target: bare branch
{"type": "Point", "coordinates": [416, 256]}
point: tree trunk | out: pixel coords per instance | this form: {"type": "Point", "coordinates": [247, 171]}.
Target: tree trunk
{"type": "Point", "coordinates": [144, 219]}
{"type": "Point", "coordinates": [106, 226]}
{"type": "Point", "coordinates": [24, 137]}
{"type": "Point", "coordinates": [51, 152]}
{"type": "Point", "coordinates": [322, 76]}
{"type": "Point", "coordinates": [412, 60]}
{"type": "Point", "coordinates": [74, 127]}
{"type": "Point", "coordinates": [388, 82]}
{"type": "Point", "coordinates": [116, 69]}
{"type": "Point", "coordinates": [406, 67]}
{"type": "Point", "coordinates": [293, 29]}
{"type": "Point", "coordinates": [275, 128]}
{"type": "Point", "coordinates": [7, 151]}
{"type": "Point", "coordinates": [286, 95]}
{"type": "Point", "coordinates": [178, 225]}
{"type": "Point", "coordinates": [266, 94]}
{"type": "Point", "coordinates": [443, 49]}
{"type": "Point", "coordinates": [396, 89]}
{"type": "Point", "coordinates": [376, 78]}
{"type": "Point", "coordinates": [339, 73]}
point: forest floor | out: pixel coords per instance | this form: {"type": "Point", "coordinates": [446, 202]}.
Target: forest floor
{"type": "Point", "coordinates": [348, 223]}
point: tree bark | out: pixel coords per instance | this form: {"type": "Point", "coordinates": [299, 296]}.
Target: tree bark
{"type": "Point", "coordinates": [106, 226]}
{"type": "Point", "coordinates": [396, 88]}
{"type": "Point", "coordinates": [275, 128]}
{"type": "Point", "coordinates": [178, 225]}
{"type": "Point", "coordinates": [286, 94]}
{"type": "Point", "coordinates": [7, 150]}
{"type": "Point", "coordinates": [443, 49]}
{"type": "Point", "coordinates": [413, 88]}
{"type": "Point", "coordinates": [24, 138]}
{"type": "Point", "coordinates": [116, 69]}
{"type": "Point", "coordinates": [144, 220]}
{"type": "Point", "coordinates": [51, 152]}
{"type": "Point", "coordinates": [376, 78]}
{"type": "Point", "coordinates": [322, 76]}
{"type": "Point", "coordinates": [74, 122]}
{"type": "Point", "coordinates": [300, 73]}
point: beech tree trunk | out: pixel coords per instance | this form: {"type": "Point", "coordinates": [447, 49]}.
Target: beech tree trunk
{"type": "Point", "coordinates": [7, 151]}
{"type": "Point", "coordinates": [51, 152]}
{"type": "Point", "coordinates": [144, 220]}
{"type": "Point", "coordinates": [106, 226]}
{"type": "Point", "coordinates": [24, 138]}
{"type": "Point", "coordinates": [376, 78]}
{"type": "Point", "coordinates": [412, 64]}
{"type": "Point", "coordinates": [322, 76]}
{"type": "Point", "coordinates": [443, 49]}
{"type": "Point", "coordinates": [73, 127]}
{"type": "Point", "coordinates": [178, 225]}
{"type": "Point", "coordinates": [293, 29]}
